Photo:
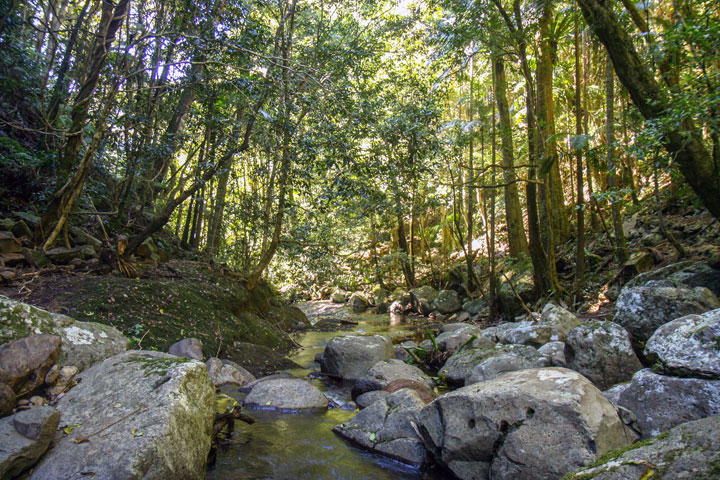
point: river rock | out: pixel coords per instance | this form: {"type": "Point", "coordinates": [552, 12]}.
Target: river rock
{"type": "Point", "coordinates": [385, 372]}
{"type": "Point", "coordinates": [602, 352]}
{"type": "Point", "coordinates": [188, 348]}
{"type": "Point", "coordinates": [24, 437]}
{"type": "Point", "coordinates": [146, 415]}
{"type": "Point", "coordinates": [25, 362]}
{"type": "Point", "coordinates": [64, 381]}
{"type": "Point", "coordinates": [486, 363]}
{"type": "Point", "coordinates": [224, 372]}
{"type": "Point", "coordinates": [642, 310]}
{"type": "Point", "coordinates": [423, 298]}
{"type": "Point", "coordinates": [286, 394]}
{"type": "Point", "coordinates": [451, 341]}
{"type": "Point", "coordinates": [338, 297]}
{"type": "Point", "coordinates": [537, 423]}
{"type": "Point", "coordinates": [351, 356]}
{"type": "Point", "coordinates": [690, 451]}
{"type": "Point", "coordinates": [425, 391]}
{"type": "Point", "coordinates": [64, 255]}
{"type": "Point", "coordinates": [358, 303]}
{"type": "Point", "coordinates": [83, 343]}
{"type": "Point", "coordinates": [661, 402]}
{"type": "Point", "coordinates": [560, 321]}
{"type": "Point", "coordinates": [555, 353]}
{"type": "Point", "coordinates": [368, 398]}
{"type": "Point", "coordinates": [473, 307]}
{"type": "Point", "coordinates": [388, 427]}
{"type": "Point", "coordinates": [688, 346]}
{"type": "Point", "coordinates": [510, 305]}
{"type": "Point", "coordinates": [7, 399]}
{"type": "Point", "coordinates": [403, 305]}
{"type": "Point", "coordinates": [447, 302]}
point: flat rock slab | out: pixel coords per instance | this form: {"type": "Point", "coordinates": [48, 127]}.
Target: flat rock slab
{"type": "Point", "coordinates": [389, 427]}
{"type": "Point", "coordinates": [24, 437]}
{"type": "Point", "coordinates": [688, 346]}
{"type": "Point", "coordinates": [135, 415]}
{"type": "Point", "coordinates": [83, 343]}
{"type": "Point", "coordinates": [660, 402]}
{"type": "Point", "coordinates": [286, 394]}
{"type": "Point", "coordinates": [690, 451]}
{"type": "Point", "coordinates": [532, 424]}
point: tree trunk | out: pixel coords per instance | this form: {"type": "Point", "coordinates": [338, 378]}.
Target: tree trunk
{"type": "Point", "coordinates": [580, 240]}
{"type": "Point", "coordinates": [684, 143]}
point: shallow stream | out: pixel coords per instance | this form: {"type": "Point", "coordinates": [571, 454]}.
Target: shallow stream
{"type": "Point", "coordinates": [302, 445]}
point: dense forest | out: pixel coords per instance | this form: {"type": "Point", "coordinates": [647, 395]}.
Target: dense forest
{"type": "Point", "coordinates": [363, 143]}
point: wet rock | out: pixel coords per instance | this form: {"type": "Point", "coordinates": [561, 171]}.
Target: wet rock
{"type": "Point", "coordinates": [24, 437]}
{"type": "Point", "coordinates": [690, 451]}
{"type": "Point", "coordinates": [451, 341]}
{"type": "Point", "coordinates": [155, 412]}
{"type": "Point", "coordinates": [661, 402]}
{"type": "Point", "coordinates": [25, 362]}
{"type": "Point", "coordinates": [486, 363]}
{"type": "Point", "coordinates": [286, 394]}
{"type": "Point", "coordinates": [83, 343]}
{"type": "Point", "coordinates": [387, 371]}
{"type": "Point", "coordinates": [64, 382]}
{"type": "Point", "coordinates": [688, 346]}
{"type": "Point", "coordinates": [224, 372]}
{"type": "Point", "coordinates": [642, 310]}
{"type": "Point", "coordinates": [188, 348]}
{"type": "Point", "coordinates": [358, 303]}
{"type": "Point", "coordinates": [473, 307]}
{"type": "Point", "coordinates": [403, 305]}
{"type": "Point", "coordinates": [447, 301]}
{"type": "Point", "coordinates": [602, 352]}
{"type": "Point", "coordinates": [351, 356]}
{"type": "Point", "coordinates": [368, 398]}
{"type": "Point", "coordinates": [555, 353]}
{"type": "Point", "coordinates": [7, 399]}
{"type": "Point", "coordinates": [537, 423]}
{"type": "Point", "coordinates": [387, 427]}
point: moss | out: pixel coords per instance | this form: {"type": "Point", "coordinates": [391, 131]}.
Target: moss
{"type": "Point", "coordinates": [615, 454]}
{"type": "Point", "coordinates": [155, 366]}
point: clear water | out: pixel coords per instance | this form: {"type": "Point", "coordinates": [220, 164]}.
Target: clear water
{"type": "Point", "coordinates": [302, 445]}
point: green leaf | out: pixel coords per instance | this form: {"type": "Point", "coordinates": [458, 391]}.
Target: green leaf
{"type": "Point", "coordinates": [70, 428]}
{"type": "Point", "coordinates": [372, 437]}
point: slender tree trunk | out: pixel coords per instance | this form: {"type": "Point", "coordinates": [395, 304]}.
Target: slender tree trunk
{"type": "Point", "coordinates": [580, 241]}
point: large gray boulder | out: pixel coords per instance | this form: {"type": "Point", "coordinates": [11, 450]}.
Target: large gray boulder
{"type": "Point", "coordinates": [688, 346]}
{"type": "Point", "coordinates": [83, 343]}
{"type": "Point", "coordinates": [351, 356]}
{"type": "Point", "coordinates": [561, 321]}
{"type": "Point", "coordinates": [7, 399]}
{"type": "Point", "coordinates": [188, 348]}
{"type": "Point", "coordinates": [537, 423]}
{"type": "Point", "coordinates": [24, 437]}
{"type": "Point", "coordinates": [692, 274]}
{"type": "Point", "coordinates": [423, 298]}
{"type": "Point", "coordinates": [137, 415]}
{"type": "Point", "coordinates": [473, 307]}
{"type": "Point", "coordinates": [25, 362]}
{"type": "Point", "coordinates": [384, 372]}
{"type": "Point", "coordinates": [389, 427]}
{"type": "Point", "coordinates": [602, 352]}
{"type": "Point", "coordinates": [642, 310]}
{"type": "Point", "coordinates": [447, 301]}
{"type": "Point", "coordinates": [358, 303]}
{"type": "Point", "coordinates": [485, 363]}
{"type": "Point", "coordinates": [661, 402]}
{"type": "Point", "coordinates": [690, 451]}
{"type": "Point", "coordinates": [555, 353]}
{"type": "Point", "coordinates": [224, 372]}
{"type": "Point", "coordinates": [450, 341]}
{"type": "Point", "coordinates": [286, 394]}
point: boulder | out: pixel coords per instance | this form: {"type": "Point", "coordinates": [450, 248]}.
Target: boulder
{"type": "Point", "coordinates": [36, 258]}
{"type": "Point", "coordinates": [358, 303]}
{"type": "Point", "coordinates": [473, 307]}
{"type": "Point", "coordinates": [388, 427]}
{"type": "Point", "coordinates": [24, 437]}
{"type": "Point", "coordinates": [642, 310]}
{"type": "Point", "coordinates": [423, 298]}
{"type": "Point", "coordinates": [385, 372]}
{"type": "Point", "coordinates": [368, 398]}
{"type": "Point", "coordinates": [12, 260]}
{"type": "Point", "coordinates": [288, 318]}
{"type": "Point", "coordinates": [486, 363]}
{"type": "Point", "coordinates": [602, 352]}
{"type": "Point", "coordinates": [224, 372]}
{"type": "Point", "coordinates": [188, 348]}
{"type": "Point", "coordinates": [64, 380]}
{"type": "Point", "coordinates": [661, 402]}
{"type": "Point", "coordinates": [83, 343]}
{"type": "Point", "coordinates": [692, 274]}
{"type": "Point", "coordinates": [537, 423]}
{"type": "Point", "coordinates": [426, 392]}
{"type": "Point", "coordinates": [535, 334]}
{"type": "Point", "coordinates": [690, 451]}
{"type": "Point", "coordinates": [7, 399]}
{"type": "Point", "coordinates": [509, 303]}
{"type": "Point", "coordinates": [286, 394]}
{"type": "Point", "coordinates": [560, 321]}
{"type": "Point", "coordinates": [555, 353]}
{"type": "Point", "coordinates": [338, 297]}
{"type": "Point", "coordinates": [138, 414]}
{"type": "Point", "coordinates": [64, 255]}
{"type": "Point", "coordinates": [688, 346]}
{"type": "Point", "coordinates": [351, 356]}
{"type": "Point", "coordinates": [451, 341]}
{"type": "Point", "coordinates": [402, 305]}
{"type": "Point", "coordinates": [447, 301]}
{"type": "Point", "coordinates": [450, 327]}
{"type": "Point", "coordinates": [25, 362]}
{"type": "Point", "coordinates": [9, 244]}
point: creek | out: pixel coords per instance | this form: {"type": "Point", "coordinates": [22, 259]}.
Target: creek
{"type": "Point", "coordinates": [281, 445]}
